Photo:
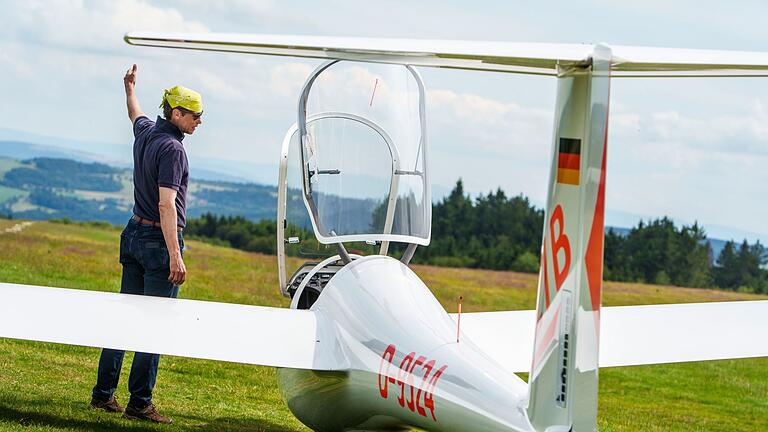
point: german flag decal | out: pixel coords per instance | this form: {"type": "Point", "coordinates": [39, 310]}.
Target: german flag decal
{"type": "Point", "coordinates": [568, 161]}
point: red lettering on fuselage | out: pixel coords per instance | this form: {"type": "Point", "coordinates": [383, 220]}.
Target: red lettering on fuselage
{"type": "Point", "coordinates": [410, 402]}
{"type": "Point", "coordinates": [410, 396]}
{"type": "Point", "coordinates": [427, 369]}
{"type": "Point", "coordinates": [402, 376]}
{"type": "Point", "coordinates": [384, 373]}
{"type": "Point", "coordinates": [559, 242]}
{"type": "Point", "coordinates": [429, 401]}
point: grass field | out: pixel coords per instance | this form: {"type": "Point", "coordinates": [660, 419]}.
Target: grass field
{"type": "Point", "coordinates": [46, 387]}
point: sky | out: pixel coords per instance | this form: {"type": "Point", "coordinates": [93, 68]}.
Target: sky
{"type": "Point", "coordinates": [691, 149]}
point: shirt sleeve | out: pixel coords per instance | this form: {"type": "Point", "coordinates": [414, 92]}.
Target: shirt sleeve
{"type": "Point", "coordinates": [141, 124]}
{"type": "Point", "coordinates": [171, 168]}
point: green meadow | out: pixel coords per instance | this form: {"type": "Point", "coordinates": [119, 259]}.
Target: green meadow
{"type": "Point", "coordinates": [46, 387]}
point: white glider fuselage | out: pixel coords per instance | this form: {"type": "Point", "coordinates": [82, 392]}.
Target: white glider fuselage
{"type": "Point", "coordinates": [403, 364]}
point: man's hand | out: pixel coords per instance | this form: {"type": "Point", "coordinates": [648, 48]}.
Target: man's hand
{"type": "Point", "coordinates": [129, 80]}
{"type": "Point", "coordinates": [178, 270]}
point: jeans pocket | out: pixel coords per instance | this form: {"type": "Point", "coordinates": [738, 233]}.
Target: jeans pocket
{"type": "Point", "coordinates": [154, 254]}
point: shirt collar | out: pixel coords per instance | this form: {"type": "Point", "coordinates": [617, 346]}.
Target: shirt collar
{"type": "Point", "coordinates": [164, 125]}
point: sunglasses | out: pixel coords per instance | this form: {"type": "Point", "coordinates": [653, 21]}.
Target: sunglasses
{"type": "Point", "coordinates": [195, 115]}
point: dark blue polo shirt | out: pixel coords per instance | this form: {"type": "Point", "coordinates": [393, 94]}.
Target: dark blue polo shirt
{"type": "Point", "coordinates": [159, 159]}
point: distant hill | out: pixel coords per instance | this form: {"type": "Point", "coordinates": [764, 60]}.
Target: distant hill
{"type": "Point", "coordinates": [55, 188]}
{"type": "Point", "coordinates": [24, 145]}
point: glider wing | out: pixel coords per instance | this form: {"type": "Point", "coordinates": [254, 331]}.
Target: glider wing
{"type": "Point", "coordinates": [530, 58]}
{"type": "Point", "coordinates": [636, 335]}
{"type": "Point", "coordinates": [207, 330]}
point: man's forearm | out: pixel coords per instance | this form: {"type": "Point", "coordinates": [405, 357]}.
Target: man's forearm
{"type": "Point", "coordinates": [168, 220]}
{"type": "Point", "coordinates": [134, 110]}
{"type": "Point", "coordinates": [168, 223]}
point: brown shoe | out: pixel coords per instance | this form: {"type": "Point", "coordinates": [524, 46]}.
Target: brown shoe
{"type": "Point", "coordinates": [109, 405]}
{"type": "Point", "coordinates": [148, 413]}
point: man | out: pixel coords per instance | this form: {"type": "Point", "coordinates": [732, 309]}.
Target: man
{"type": "Point", "coordinates": [151, 244]}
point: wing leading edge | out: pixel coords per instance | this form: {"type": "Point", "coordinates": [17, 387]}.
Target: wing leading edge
{"type": "Point", "coordinates": [207, 330]}
{"type": "Point", "coordinates": [492, 56]}
{"type": "Point", "coordinates": [637, 335]}
{"type": "Point", "coordinates": [529, 58]}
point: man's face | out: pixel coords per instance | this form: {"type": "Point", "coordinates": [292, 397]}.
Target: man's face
{"type": "Point", "coordinates": [186, 121]}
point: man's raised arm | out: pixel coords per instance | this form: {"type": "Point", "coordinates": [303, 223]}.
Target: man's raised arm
{"type": "Point", "coordinates": [134, 110]}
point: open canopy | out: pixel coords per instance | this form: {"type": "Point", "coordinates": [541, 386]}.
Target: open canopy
{"type": "Point", "coordinates": [361, 135]}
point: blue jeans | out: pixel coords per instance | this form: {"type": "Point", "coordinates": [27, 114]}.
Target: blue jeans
{"type": "Point", "coordinates": [145, 261]}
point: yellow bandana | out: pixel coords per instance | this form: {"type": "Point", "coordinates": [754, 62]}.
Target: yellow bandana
{"type": "Point", "coordinates": [181, 96]}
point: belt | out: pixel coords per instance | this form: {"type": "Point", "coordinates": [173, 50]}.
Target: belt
{"type": "Point", "coordinates": [143, 221]}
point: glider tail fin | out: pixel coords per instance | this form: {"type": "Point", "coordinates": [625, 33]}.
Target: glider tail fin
{"type": "Point", "coordinates": [563, 377]}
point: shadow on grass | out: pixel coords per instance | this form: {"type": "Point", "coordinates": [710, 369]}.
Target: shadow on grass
{"type": "Point", "coordinates": [31, 417]}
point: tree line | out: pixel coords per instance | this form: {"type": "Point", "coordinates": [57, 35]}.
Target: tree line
{"type": "Point", "coordinates": [494, 231]}
{"type": "Point", "coordinates": [657, 252]}
{"type": "Point", "coordinates": [235, 231]}
{"type": "Point", "coordinates": [490, 231]}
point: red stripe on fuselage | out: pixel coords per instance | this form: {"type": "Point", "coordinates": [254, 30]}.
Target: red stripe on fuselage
{"type": "Point", "coordinates": [593, 260]}
{"type": "Point", "coordinates": [546, 279]}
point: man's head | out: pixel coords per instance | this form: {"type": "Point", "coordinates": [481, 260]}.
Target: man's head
{"type": "Point", "coordinates": [183, 107]}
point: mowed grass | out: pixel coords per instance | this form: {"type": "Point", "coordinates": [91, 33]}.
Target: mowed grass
{"type": "Point", "coordinates": [46, 387]}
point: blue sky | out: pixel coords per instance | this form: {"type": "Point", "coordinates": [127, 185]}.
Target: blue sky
{"type": "Point", "coordinates": [694, 149]}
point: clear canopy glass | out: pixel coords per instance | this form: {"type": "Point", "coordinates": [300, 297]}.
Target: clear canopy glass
{"type": "Point", "coordinates": [363, 154]}
{"type": "Point", "coordinates": [353, 167]}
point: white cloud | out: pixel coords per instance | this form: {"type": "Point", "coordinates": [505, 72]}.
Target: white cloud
{"type": "Point", "coordinates": [745, 133]}
{"type": "Point", "coordinates": [252, 16]}
{"type": "Point", "coordinates": [706, 168]}
{"type": "Point", "coordinates": [231, 9]}
{"type": "Point", "coordinates": [78, 24]}
{"type": "Point", "coordinates": [502, 128]}
{"type": "Point", "coordinates": [489, 143]}
{"type": "Point", "coordinates": [12, 61]}
{"type": "Point", "coordinates": [286, 79]}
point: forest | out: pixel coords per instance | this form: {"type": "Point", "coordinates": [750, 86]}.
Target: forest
{"type": "Point", "coordinates": [497, 232]}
